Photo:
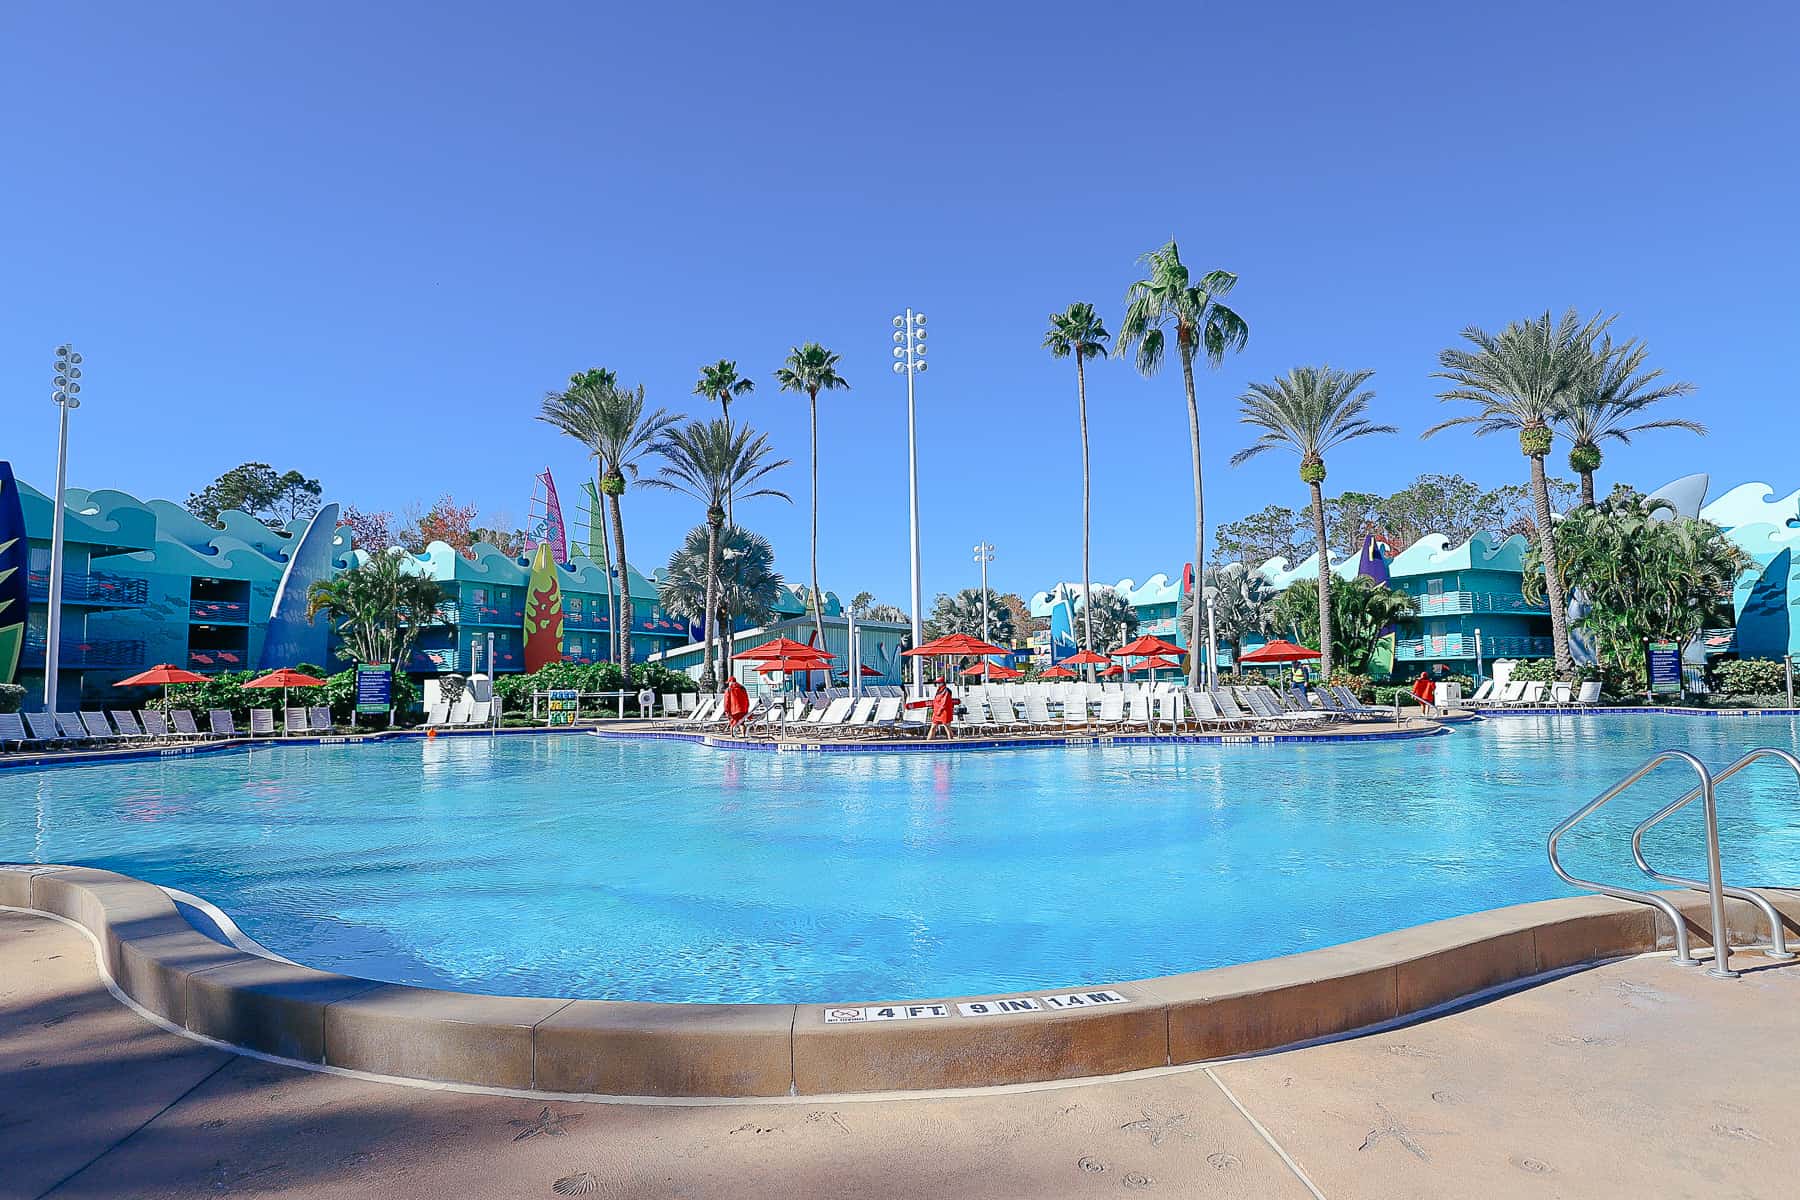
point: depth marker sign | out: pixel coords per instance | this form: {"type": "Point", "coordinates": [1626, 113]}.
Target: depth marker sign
{"type": "Point", "coordinates": [1004, 1005]}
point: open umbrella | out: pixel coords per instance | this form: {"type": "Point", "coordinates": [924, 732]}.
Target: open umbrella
{"type": "Point", "coordinates": [783, 648]}
{"type": "Point", "coordinates": [1086, 658]}
{"type": "Point", "coordinates": [1145, 646]}
{"type": "Point", "coordinates": [165, 674]}
{"type": "Point", "coordinates": [954, 645]}
{"type": "Point", "coordinates": [1056, 672]}
{"type": "Point", "coordinates": [284, 679]}
{"type": "Point", "coordinates": [1279, 651]}
{"type": "Point", "coordinates": [993, 670]}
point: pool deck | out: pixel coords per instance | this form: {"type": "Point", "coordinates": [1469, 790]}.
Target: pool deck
{"type": "Point", "coordinates": [1636, 1078]}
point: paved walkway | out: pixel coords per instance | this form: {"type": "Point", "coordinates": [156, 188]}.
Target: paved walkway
{"type": "Point", "coordinates": [1638, 1079]}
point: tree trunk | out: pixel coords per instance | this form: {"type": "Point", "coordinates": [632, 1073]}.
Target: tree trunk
{"type": "Point", "coordinates": [1087, 606]}
{"type": "Point", "coordinates": [1318, 514]}
{"type": "Point", "coordinates": [1553, 588]}
{"type": "Point", "coordinates": [1197, 633]}
{"type": "Point", "coordinates": [730, 508]}
{"type": "Point", "coordinates": [1587, 489]}
{"type": "Point", "coordinates": [612, 612]}
{"type": "Point", "coordinates": [622, 626]}
{"type": "Point", "coordinates": [818, 598]}
{"type": "Point", "coordinates": [707, 679]}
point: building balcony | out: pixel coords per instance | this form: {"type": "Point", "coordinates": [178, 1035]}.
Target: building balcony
{"type": "Point", "coordinates": [90, 589]}
{"type": "Point", "coordinates": [468, 612]}
{"type": "Point", "coordinates": [217, 660]}
{"type": "Point", "coordinates": [218, 612]}
{"type": "Point", "coordinates": [1462, 645]}
{"type": "Point", "coordinates": [80, 654]}
{"type": "Point", "coordinates": [1162, 627]}
{"type": "Point", "coordinates": [427, 661]}
{"type": "Point", "coordinates": [1449, 603]}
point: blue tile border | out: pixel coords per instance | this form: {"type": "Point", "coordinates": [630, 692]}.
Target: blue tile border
{"type": "Point", "coordinates": [964, 745]}
{"type": "Point", "coordinates": [91, 757]}
{"type": "Point", "coordinates": [1615, 710]}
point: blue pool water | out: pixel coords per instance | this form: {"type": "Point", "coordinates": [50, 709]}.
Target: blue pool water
{"type": "Point", "coordinates": [581, 866]}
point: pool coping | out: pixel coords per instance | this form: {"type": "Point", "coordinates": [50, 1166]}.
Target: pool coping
{"type": "Point", "coordinates": [715, 741]}
{"type": "Point", "coordinates": [189, 749]}
{"type": "Point", "coordinates": [153, 956]}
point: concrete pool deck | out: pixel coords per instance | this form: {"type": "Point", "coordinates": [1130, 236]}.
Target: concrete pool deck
{"type": "Point", "coordinates": [1637, 1078]}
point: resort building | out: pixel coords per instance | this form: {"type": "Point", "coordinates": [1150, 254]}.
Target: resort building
{"type": "Point", "coordinates": [877, 650]}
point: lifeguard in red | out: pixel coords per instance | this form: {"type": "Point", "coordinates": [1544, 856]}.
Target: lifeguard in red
{"type": "Point", "coordinates": [737, 704]}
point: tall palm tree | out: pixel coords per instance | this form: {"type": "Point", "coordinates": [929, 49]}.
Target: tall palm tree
{"type": "Point", "coordinates": [1167, 298]}
{"type": "Point", "coordinates": [1523, 380]}
{"type": "Point", "coordinates": [1077, 332]}
{"type": "Point", "coordinates": [1615, 390]}
{"type": "Point", "coordinates": [721, 382]}
{"type": "Point", "coordinates": [748, 583]}
{"type": "Point", "coordinates": [1311, 410]}
{"type": "Point", "coordinates": [812, 369]}
{"type": "Point", "coordinates": [709, 460]}
{"type": "Point", "coordinates": [593, 380]}
{"type": "Point", "coordinates": [376, 607]}
{"type": "Point", "coordinates": [612, 423]}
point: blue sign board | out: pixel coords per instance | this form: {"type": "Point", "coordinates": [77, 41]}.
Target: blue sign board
{"type": "Point", "coordinates": [1662, 660]}
{"type": "Point", "coordinates": [374, 689]}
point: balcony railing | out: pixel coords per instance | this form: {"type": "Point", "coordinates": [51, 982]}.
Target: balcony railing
{"type": "Point", "coordinates": [81, 654]}
{"type": "Point", "coordinates": [1448, 603]}
{"type": "Point", "coordinates": [91, 589]}
{"type": "Point", "coordinates": [217, 660]}
{"type": "Point", "coordinates": [468, 612]}
{"type": "Point", "coordinates": [1462, 645]}
{"type": "Point", "coordinates": [218, 612]}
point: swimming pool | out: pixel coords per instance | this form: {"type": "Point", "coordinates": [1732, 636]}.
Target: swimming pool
{"type": "Point", "coordinates": [655, 870]}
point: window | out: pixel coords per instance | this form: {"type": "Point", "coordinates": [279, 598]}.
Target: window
{"type": "Point", "coordinates": [1434, 587]}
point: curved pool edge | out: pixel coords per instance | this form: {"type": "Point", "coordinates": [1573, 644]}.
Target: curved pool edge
{"type": "Point", "coordinates": [1411, 728]}
{"type": "Point", "coordinates": [698, 1052]}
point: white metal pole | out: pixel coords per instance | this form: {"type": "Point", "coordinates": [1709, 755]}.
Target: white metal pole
{"type": "Point", "coordinates": [1478, 656]}
{"type": "Point", "coordinates": [53, 634]}
{"type": "Point", "coordinates": [1212, 646]}
{"type": "Point", "coordinates": [912, 467]}
{"type": "Point", "coordinates": [853, 647]}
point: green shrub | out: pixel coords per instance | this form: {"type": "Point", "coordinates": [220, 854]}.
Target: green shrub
{"type": "Point", "coordinates": [227, 691]}
{"type": "Point", "coordinates": [515, 690]}
{"type": "Point", "coordinates": [1751, 677]}
{"type": "Point", "coordinates": [12, 696]}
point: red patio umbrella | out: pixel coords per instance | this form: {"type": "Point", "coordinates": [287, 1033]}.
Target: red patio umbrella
{"type": "Point", "coordinates": [783, 648]}
{"type": "Point", "coordinates": [284, 679]}
{"type": "Point", "coordinates": [1085, 659]}
{"type": "Point", "coordinates": [1155, 663]}
{"type": "Point", "coordinates": [1057, 672]}
{"type": "Point", "coordinates": [1115, 669]}
{"type": "Point", "coordinates": [1279, 651]}
{"type": "Point", "coordinates": [1145, 646]}
{"type": "Point", "coordinates": [993, 670]}
{"type": "Point", "coordinates": [165, 674]}
{"type": "Point", "coordinates": [955, 645]}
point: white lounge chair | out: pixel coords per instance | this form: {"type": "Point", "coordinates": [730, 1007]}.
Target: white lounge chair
{"type": "Point", "coordinates": [1508, 696]}
{"type": "Point", "coordinates": [832, 716]}
{"type": "Point", "coordinates": [183, 720]}
{"type": "Point", "coordinates": [860, 712]}
{"type": "Point", "coordinates": [128, 726]}
{"type": "Point", "coordinates": [318, 718]}
{"type": "Point", "coordinates": [1112, 710]}
{"type": "Point", "coordinates": [74, 732]}
{"type": "Point", "coordinates": [156, 724]}
{"type": "Point", "coordinates": [295, 720]}
{"type": "Point", "coordinates": [45, 728]}
{"type": "Point", "coordinates": [1483, 692]}
{"type": "Point", "coordinates": [1001, 712]}
{"type": "Point", "coordinates": [1561, 694]}
{"type": "Point", "coordinates": [262, 722]}
{"type": "Point", "coordinates": [94, 724]}
{"type": "Point", "coordinates": [1589, 694]}
{"type": "Point", "coordinates": [887, 714]}
{"type": "Point", "coordinates": [221, 722]}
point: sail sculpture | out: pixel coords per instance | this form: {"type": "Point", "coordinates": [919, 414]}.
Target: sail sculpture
{"type": "Point", "coordinates": [547, 527]}
{"type": "Point", "coordinates": [14, 551]}
{"type": "Point", "coordinates": [291, 639]}
{"type": "Point", "coordinates": [543, 612]}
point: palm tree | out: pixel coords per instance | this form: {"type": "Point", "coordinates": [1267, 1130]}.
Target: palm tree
{"type": "Point", "coordinates": [1311, 410]}
{"type": "Point", "coordinates": [1616, 389]}
{"type": "Point", "coordinates": [1112, 616]}
{"type": "Point", "coordinates": [377, 607]}
{"type": "Point", "coordinates": [1242, 603]}
{"type": "Point", "coordinates": [748, 584]}
{"type": "Point", "coordinates": [1167, 298]}
{"type": "Point", "coordinates": [1523, 379]}
{"type": "Point", "coordinates": [1078, 333]}
{"type": "Point", "coordinates": [611, 422]}
{"type": "Point", "coordinates": [811, 369]}
{"type": "Point", "coordinates": [708, 461]}
{"type": "Point", "coordinates": [721, 382]}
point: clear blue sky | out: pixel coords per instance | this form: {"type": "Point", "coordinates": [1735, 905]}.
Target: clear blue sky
{"type": "Point", "coordinates": [363, 239]}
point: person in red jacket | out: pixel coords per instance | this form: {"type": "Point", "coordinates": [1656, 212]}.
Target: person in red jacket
{"type": "Point", "coordinates": [943, 710]}
{"type": "Point", "coordinates": [737, 704]}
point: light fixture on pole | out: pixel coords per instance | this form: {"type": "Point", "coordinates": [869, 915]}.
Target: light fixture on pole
{"type": "Point", "coordinates": [909, 360]}
{"type": "Point", "coordinates": [984, 554]}
{"type": "Point", "coordinates": [67, 394]}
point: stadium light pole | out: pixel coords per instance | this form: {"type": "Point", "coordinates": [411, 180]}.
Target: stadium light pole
{"type": "Point", "coordinates": [984, 554]}
{"type": "Point", "coordinates": [67, 394]}
{"type": "Point", "coordinates": [909, 360]}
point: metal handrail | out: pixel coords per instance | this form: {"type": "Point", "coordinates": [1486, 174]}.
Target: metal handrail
{"type": "Point", "coordinates": [1682, 955]}
{"type": "Point", "coordinates": [1777, 935]}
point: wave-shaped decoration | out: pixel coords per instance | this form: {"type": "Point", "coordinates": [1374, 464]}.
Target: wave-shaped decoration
{"type": "Point", "coordinates": [1280, 575]}
{"type": "Point", "coordinates": [1763, 541]}
{"type": "Point", "coordinates": [276, 544]}
{"type": "Point", "coordinates": [1753, 504]}
{"type": "Point", "coordinates": [1687, 494]}
{"type": "Point", "coordinates": [103, 518]}
{"type": "Point", "coordinates": [1433, 554]}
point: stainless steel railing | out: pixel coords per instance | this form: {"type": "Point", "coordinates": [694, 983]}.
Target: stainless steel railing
{"type": "Point", "coordinates": [1777, 935]}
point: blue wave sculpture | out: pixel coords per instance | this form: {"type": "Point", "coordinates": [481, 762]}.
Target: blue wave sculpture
{"type": "Point", "coordinates": [291, 638]}
{"type": "Point", "coordinates": [1763, 624]}
{"type": "Point", "coordinates": [14, 552]}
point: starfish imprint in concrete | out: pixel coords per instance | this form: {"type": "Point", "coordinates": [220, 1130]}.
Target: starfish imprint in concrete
{"type": "Point", "coordinates": [1392, 1127]}
{"type": "Point", "coordinates": [546, 1122]}
{"type": "Point", "coordinates": [1159, 1128]}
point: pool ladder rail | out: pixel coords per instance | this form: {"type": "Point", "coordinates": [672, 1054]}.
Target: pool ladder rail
{"type": "Point", "coordinates": [1706, 791]}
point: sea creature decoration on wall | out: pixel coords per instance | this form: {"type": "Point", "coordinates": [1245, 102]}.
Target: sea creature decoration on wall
{"type": "Point", "coordinates": [543, 612]}
{"type": "Point", "coordinates": [14, 577]}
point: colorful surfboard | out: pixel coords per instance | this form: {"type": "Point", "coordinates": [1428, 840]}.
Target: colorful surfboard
{"type": "Point", "coordinates": [14, 556]}
{"type": "Point", "coordinates": [291, 639]}
{"type": "Point", "coordinates": [543, 612]}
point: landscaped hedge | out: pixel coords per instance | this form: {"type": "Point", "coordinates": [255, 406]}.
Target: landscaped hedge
{"type": "Point", "coordinates": [227, 691]}
{"type": "Point", "coordinates": [516, 690]}
{"type": "Point", "coordinates": [1751, 677]}
{"type": "Point", "coordinates": [11, 697]}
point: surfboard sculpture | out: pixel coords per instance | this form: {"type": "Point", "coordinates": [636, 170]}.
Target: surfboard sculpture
{"type": "Point", "coordinates": [1062, 625]}
{"type": "Point", "coordinates": [291, 639]}
{"type": "Point", "coordinates": [543, 612]}
{"type": "Point", "coordinates": [14, 554]}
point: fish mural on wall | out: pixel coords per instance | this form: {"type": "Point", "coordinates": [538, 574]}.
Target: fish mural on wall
{"type": "Point", "coordinates": [291, 639]}
{"type": "Point", "coordinates": [543, 612]}
{"type": "Point", "coordinates": [14, 552]}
